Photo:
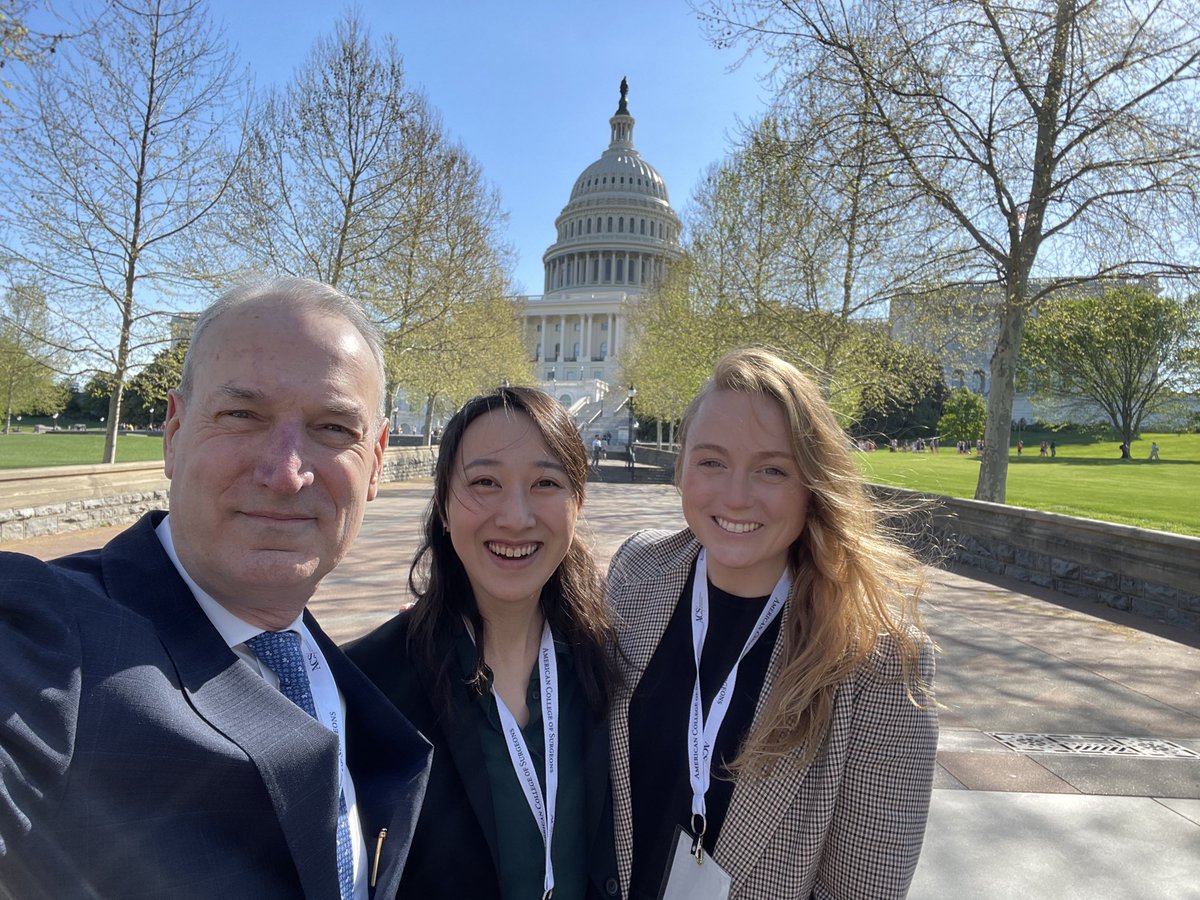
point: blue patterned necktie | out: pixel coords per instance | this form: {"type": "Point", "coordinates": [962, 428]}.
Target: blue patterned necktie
{"type": "Point", "coordinates": [280, 652]}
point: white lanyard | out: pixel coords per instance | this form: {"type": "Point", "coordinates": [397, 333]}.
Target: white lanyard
{"type": "Point", "coordinates": [325, 695]}
{"type": "Point", "coordinates": [543, 812]}
{"type": "Point", "coordinates": [702, 733]}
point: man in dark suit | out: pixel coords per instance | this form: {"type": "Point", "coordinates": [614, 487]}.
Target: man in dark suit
{"type": "Point", "coordinates": [173, 723]}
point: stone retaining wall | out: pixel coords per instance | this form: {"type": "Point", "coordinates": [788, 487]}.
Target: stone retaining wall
{"type": "Point", "coordinates": [1152, 573]}
{"type": "Point", "coordinates": [36, 502]}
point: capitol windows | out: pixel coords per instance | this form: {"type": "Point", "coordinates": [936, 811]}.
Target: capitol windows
{"type": "Point", "coordinates": [576, 326]}
{"type": "Point", "coordinates": [604, 326]}
{"type": "Point", "coordinates": [572, 229]}
{"type": "Point", "coordinates": [608, 270]}
{"type": "Point", "coordinates": [589, 226]}
{"type": "Point", "coordinates": [643, 226]}
{"type": "Point", "coordinates": [604, 348]}
{"type": "Point", "coordinates": [569, 374]}
{"type": "Point", "coordinates": [610, 223]}
{"type": "Point", "coordinates": [621, 224]}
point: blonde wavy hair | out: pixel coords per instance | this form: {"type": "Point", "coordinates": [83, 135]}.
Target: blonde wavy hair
{"type": "Point", "coordinates": [853, 580]}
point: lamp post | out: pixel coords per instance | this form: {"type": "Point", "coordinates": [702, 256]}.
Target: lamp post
{"type": "Point", "coordinates": [632, 461]}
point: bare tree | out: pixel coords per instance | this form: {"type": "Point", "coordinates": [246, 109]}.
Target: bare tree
{"type": "Point", "coordinates": [114, 160]}
{"type": "Point", "coordinates": [351, 179]}
{"type": "Point", "coordinates": [1054, 140]}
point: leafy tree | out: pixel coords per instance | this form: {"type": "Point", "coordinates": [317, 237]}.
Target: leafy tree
{"type": "Point", "coordinates": [1037, 135]}
{"type": "Point", "coordinates": [116, 158]}
{"type": "Point", "coordinates": [1128, 351]}
{"type": "Point", "coordinates": [964, 417]}
{"type": "Point", "coordinates": [148, 389]}
{"type": "Point", "coordinates": [28, 367]}
{"type": "Point", "coordinates": [908, 403]}
{"type": "Point", "coordinates": [478, 347]}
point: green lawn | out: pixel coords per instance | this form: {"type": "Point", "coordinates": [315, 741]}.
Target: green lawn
{"type": "Point", "coordinates": [26, 450]}
{"type": "Point", "coordinates": [1087, 478]}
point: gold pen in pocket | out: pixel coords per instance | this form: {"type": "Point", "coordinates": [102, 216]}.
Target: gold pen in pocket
{"type": "Point", "coordinates": [378, 851]}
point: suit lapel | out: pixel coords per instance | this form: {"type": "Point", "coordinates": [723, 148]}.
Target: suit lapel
{"type": "Point", "coordinates": [645, 589]}
{"type": "Point", "coordinates": [389, 762]}
{"type": "Point", "coordinates": [461, 732]}
{"type": "Point", "coordinates": [286, 745]}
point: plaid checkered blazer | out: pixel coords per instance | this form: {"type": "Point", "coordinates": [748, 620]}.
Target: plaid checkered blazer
{"type": "Point", "coordinates": [847, 825]}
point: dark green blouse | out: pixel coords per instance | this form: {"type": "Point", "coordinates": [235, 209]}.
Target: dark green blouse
{"type": "Point", "coordinates": [520, 847]}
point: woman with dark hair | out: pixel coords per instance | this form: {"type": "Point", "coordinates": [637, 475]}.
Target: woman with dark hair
{"type": "Point", "coordinates": [502, 665]}
{"type": "Point", "coordinates": [774, 722]}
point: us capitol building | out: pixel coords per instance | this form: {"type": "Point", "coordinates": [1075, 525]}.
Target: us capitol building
{"type": "Point", "coordinates": [616, 237]}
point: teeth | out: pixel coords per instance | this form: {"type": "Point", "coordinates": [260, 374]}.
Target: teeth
{"type": "Point", "coordinates": [511, 552]}
{"type": "Point", "coordinates": [737, 527]}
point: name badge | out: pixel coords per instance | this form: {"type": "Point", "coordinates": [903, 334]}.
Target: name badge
{"type": "Point", "coordinates": [692, 877]}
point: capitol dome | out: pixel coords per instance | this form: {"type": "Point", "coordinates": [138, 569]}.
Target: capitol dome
{"type": "Point", "coordinates": [618, 228]}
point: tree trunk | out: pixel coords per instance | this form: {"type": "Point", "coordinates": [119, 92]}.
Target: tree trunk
{"type": "Point", "coordinates": [993, 471]}
{"type": "Point", "coordinates": [114, 422]}
{"type": "Point", "coordinates": [429, 420]}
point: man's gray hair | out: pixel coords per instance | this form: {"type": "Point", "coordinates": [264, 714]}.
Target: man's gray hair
{"type": "Point", "coordinates": [302, 292]}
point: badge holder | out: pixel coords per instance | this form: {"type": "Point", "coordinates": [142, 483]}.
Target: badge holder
{"type": "Point", "coordinates": [692, 874]}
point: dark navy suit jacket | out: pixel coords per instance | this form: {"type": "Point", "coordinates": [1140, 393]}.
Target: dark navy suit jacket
{"type": "Point", "coordinates": [455, 852]}
{"type": "Point", "coordinates": [139, 758]}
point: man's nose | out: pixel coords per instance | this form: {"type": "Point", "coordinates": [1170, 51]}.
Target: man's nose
{"type": "Point", "coordinates": [282, 466]}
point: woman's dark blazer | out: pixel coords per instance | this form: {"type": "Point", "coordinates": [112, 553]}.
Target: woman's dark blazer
{"type": "Point", "coordinates": [454, 848]}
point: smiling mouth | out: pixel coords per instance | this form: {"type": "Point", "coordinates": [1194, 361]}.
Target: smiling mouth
{"type": "Point", "coordinates": [736, 527]}
{"type": "Point", "coordinates": [510, 551]}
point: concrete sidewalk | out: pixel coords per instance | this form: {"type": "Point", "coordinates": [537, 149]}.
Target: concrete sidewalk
{"type": "Point", "coordinates": [1081, 814]}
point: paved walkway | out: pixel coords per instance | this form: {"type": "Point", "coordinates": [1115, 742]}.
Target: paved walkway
{"type": "Point", "coordinates": [1120, 821]}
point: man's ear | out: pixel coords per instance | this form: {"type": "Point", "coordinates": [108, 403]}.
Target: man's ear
{"type": "Point", "coordinates": [175, 409]}
{"type": "Point", "coordinates": [380, 444]}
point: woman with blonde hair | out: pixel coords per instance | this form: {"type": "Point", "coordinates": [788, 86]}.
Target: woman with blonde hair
{"type": "Point", "coordinates": [775, 722]}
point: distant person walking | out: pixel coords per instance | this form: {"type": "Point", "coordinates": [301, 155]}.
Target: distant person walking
{"type": "Point", "coordinates": [1053, 449]}
{"type": "Point", "coordinates": [1020, 447]}
{"type": "Point", "coordinates": [597, 452]}
{"type": "Point", "coordinates": [1125, 450]}
{"type": "Point", "coordinates": [1154, 450]}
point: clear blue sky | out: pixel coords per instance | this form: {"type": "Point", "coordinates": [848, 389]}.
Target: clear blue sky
{"type": "Point", "coordinates": [528, 87]}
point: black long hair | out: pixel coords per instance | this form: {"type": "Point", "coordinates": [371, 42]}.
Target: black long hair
{"type": "Point", "coordinates": [572, 600]}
